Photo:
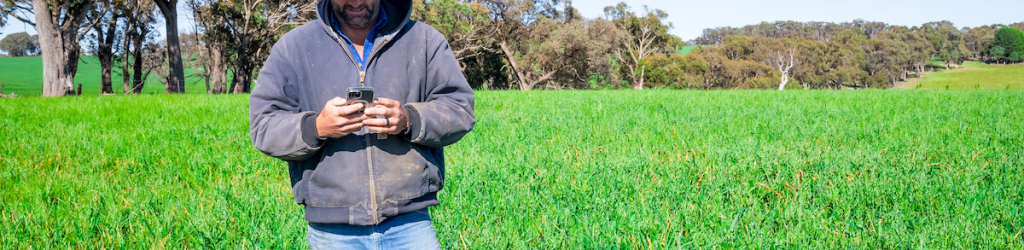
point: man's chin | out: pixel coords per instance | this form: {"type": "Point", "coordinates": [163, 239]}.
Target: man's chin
{"type": "Point", "coordinates": [357, 22]}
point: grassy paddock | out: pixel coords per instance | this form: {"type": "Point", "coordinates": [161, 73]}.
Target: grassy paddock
{"type": "Point", "coordinates": [543, 170]}
{"type": "Point", "coordinates": [24, 76]}
{"type": "Point", "coordinates": [972, 75]}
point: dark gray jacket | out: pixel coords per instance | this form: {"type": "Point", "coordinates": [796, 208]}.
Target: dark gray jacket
{"type": "Point", "coordinates": [359, 179]}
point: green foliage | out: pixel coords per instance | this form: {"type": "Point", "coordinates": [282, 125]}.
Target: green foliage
{"type": "Point", "coordinates": [20, 44]}
{"type": "Point", "coordinates": [997, 53]}
{"type": "Point", "coordinates": [674, 71]}
{"type": "Point", "coordinates": [465, 25]}
{"type": "Point", "coordinates": [547, 170]}
{"type": "Point", "coordinates": [1011, 39]}
{"type": "Point", "coordinates": [1014, 57]}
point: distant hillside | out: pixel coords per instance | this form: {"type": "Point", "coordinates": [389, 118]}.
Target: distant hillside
{"type": "Point", "coordinates": [685, 50]}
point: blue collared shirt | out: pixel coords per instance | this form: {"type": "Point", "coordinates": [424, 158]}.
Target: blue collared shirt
{"type": "Point", "coordinates": [382, 20]}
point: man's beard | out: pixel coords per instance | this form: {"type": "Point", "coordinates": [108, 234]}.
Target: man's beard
{"type": "Point", "coordinates": [359, 21]}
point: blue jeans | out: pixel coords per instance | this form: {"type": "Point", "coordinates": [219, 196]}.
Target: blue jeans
{"type": "Point", "coordinates": [407, 231]}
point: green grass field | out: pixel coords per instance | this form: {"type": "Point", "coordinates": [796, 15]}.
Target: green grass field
{"type": "Point", "coordinates": [973, 75]}
{"type": "Point", "coordinates": [685, 50]}
{"type": "Point", "coordinates": [24, 76]}
{"type": "Point", "coordinates": [873, 169]}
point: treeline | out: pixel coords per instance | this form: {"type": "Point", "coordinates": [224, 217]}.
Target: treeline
{"type": "Point", "coordinates": [861, 54]}
{"type": "Point", "coordinates": [503, 44]}
{"type": "Point", "coordinates": [541, 44]}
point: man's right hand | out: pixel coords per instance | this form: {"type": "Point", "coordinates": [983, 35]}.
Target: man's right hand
{"type": "Point", "coordinates": [337, 119]}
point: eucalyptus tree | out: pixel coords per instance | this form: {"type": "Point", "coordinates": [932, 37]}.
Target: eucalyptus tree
{"type": "Point", "coordinates": [104, 38]}
{"type": "Point", "coordinates": [20, 44]}
{"type": "Point", "coordinates": [139, 23]}
{"type": "Point", "coordinates": [647, 34]}
{"type": "Point", "coordinates": [60, 24]}
{"type": "Point", "coordinates": [176, 77]}
{"type": "Point", "coordinates": [241, 33]}
{"type": "Point", "coordinates": [540, 42]}
{"type": "Point", "coordinates": [466, 25]}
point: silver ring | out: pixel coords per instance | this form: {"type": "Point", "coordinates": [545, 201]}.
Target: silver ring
{"type": "Point", "coordinates": [387, 122]}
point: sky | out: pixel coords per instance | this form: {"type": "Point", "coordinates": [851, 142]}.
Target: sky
{"type": "Point", "coordinates": [689, 18]}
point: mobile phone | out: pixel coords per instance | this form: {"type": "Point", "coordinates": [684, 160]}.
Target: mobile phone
{"type": "Point", "coordinates": [362, 95]}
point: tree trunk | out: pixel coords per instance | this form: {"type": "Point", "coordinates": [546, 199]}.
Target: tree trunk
{"type": "Point", "coordinates": [176, 76]}
{"type": "Point", "coordinates": [242, 81]}
{"type": "Point", "coordinates": [218, 72]}
{"type": "Point", "coordinates": [137, 79]}
{"type": "Point", "coordinates": [640, 85]}
{"type": "Point", "coordinates": [125, 73]}
{"type": "Point", "coordinates": [522, 78]}
{"type": "Point", "coordinates": [59, 46]}
{"type": "Point", "coordinates": [105, 54]}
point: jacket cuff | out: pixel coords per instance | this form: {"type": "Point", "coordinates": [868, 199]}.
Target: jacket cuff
{"type": "Point", "coordinates": [309, 134]}
{"type": "Point", "coordinates": [412, 133]}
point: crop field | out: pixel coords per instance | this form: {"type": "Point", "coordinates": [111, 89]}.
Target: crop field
{"type": "Point", "coordinates": [873, 169]}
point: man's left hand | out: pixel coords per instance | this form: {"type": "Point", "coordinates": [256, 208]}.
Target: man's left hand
{"type": "Point", "coordinates": [395, 119]}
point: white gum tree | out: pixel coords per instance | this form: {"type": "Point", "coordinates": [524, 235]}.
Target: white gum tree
{"type": "Point", "coordinates": [784, 68]}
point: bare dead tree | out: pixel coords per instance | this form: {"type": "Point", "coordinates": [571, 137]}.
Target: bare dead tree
{"type": "Point", "coordinates": [636, 49]}
{"type": "Point", "coordinates": [784, 68]}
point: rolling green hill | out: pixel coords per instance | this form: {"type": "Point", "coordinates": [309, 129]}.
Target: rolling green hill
{"type": "Point", "coordinates": [973, 75]}
{"type": "Point", "coordinates": [685, 50]}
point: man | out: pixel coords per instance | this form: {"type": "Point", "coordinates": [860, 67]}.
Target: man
{"type": "Point", "coordinates": [361, 191]}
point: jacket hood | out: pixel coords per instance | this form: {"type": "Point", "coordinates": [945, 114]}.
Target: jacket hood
{"type": "Point", "coordinates": [399, 10]}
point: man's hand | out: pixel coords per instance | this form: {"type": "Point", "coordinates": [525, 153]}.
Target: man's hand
{"type": "Point", "coordinates": [338, 119]}
{"type": "Point", "coordinates": [395, 119]}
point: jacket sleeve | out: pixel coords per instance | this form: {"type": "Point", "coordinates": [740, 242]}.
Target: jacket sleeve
{"type": "Point", "coordinates": [446, 115]}
{"type": "Point", "coordinates": [276, 124]}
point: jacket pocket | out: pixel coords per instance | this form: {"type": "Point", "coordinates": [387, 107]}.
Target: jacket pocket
{"type": "Point", "coordinates": [341, 178]}
{"type": "Point", "coordinates": [405, 171]}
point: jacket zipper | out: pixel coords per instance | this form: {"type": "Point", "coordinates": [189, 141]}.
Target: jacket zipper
{"type": "Point", "coordinates": [362, 83]}
{"type": "Point", "coordinates": [369, 156]}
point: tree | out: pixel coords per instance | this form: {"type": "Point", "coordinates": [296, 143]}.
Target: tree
{"type": "Point", "coordinates": [139, 20]}
{"type": "Point", "coordinates": [977, 39]}
{"type": "Point", "coordinates": [947, 42]}
{"type": "Point", "coordinates": [60, 24]}
{"type": "Point", "coordinates": [176, 77]}
{"type": "Point", "coordinates": [1014, 57]}
{"type": "Point", "coordinates": [466, 26]}
{"type": "Point", "coordinates": [997, 53]}
{"type": "Point", "coordinates": [539, 42]}
{"type": "Point", "coordinates": [104, 39]}
{"type": "Point", "coordinates": [784, 68]}
{"type": "Point", "coordinates": [209, 33]}
{"type": "Point", "coordinates": [1010, 39]}
{"type": "Point", "coordinates": [647, 34]}
{"type": "Point", "coordinates": [469, 30]}
{"type": "Point", "coordinates": [674, 71]}
{"type": "Point", "coordinates": [20, 44]}
{"type": "Point", "coordinates": [247, 29]}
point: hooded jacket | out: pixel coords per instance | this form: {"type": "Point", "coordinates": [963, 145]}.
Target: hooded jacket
{"type": "Point", "coordinates": [360, 179]}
